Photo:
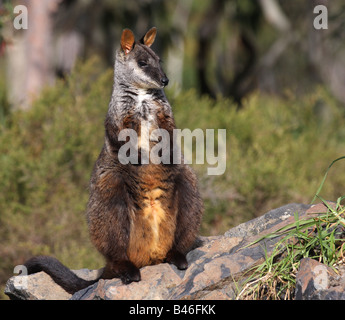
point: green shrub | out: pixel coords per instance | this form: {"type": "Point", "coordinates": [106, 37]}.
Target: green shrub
{"type": "Point", "coordinates": [277, 152]}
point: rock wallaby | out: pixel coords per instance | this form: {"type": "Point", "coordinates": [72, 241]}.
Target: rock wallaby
{"type": "Point", "coordinates": [138, 214]}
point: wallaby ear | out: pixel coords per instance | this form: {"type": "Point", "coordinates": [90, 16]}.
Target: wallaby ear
{"type": "Point", "coordinates": [127, 41]}
{"type": "Point", "coordinates": [149, 37]}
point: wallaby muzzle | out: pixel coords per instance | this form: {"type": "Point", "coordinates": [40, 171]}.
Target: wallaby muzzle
{"type": "Point", "coordinates": [164, 81]}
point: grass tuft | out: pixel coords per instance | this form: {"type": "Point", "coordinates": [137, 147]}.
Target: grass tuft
{"type": "Point", "coordinates": [320, 237]}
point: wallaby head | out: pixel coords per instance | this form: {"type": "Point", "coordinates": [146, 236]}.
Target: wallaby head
{"type": "Point", "coordinates": [136, 63]}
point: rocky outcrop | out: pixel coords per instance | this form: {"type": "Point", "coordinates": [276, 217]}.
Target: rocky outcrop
{"type": "Point", "coordinates": [216, 268]}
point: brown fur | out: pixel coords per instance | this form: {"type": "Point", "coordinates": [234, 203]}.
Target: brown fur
{"type": "Point", "coordinates": [147, 213]}
{"type": "Point", "coordinates": [138, 214]}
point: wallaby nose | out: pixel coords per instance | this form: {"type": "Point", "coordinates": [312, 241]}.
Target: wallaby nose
{"type": "Point", "coordinates": [164, 81]}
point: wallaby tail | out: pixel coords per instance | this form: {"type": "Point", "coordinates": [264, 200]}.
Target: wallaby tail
{"type": "Point", "coordinates": [63, 276]}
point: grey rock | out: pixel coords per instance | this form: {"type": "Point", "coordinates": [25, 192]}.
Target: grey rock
{"type": "Point", "coordinates": [266, 221]}
{"type": "Point", "coordinates": [40, 286]}
{"type": "Point", "coordinates": [216, 267]}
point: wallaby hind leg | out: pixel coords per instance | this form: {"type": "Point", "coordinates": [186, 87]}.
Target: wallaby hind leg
{"type": "Point", "coordinates": [109, 226]}
{"type": "Point", "coordinates": [177, 258]}
{"type": "Point", "coordinates": [190, 210]}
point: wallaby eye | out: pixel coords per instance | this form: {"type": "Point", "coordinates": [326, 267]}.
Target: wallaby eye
{"type": "Point", "coordinates": [142, 63]}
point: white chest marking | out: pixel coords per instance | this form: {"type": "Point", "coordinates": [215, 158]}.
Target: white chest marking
{"type": "Point", "coordinates": [143, 95]}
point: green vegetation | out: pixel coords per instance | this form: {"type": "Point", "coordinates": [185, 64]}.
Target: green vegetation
{"type": "Point", "coordinates": [277, 150]}
{"type": "Point", "coordinates": [319, 237]}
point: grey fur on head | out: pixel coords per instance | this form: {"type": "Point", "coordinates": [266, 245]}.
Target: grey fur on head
{"type": "Point", "coordinates": [138, 77]}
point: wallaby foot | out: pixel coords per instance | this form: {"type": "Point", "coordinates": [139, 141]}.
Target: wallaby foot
{"type": "Point", "coordinates": [177, 258]}
{"type": "Point", "coordinates": [125, 270]}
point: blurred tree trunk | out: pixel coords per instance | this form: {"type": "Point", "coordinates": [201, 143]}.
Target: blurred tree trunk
{"type": "Point", "coordinates": [30, 66]}
{"type": "Point", "coordinates": [207, 32]}
{"type": "Point", "coordinates": [242, 81]}
{"type": "Point", "coordinates": [274, 15]}
{"type": "Point", "coordinates": [326, 53]}
{"type": "Point", "coordinates": [176, 50]}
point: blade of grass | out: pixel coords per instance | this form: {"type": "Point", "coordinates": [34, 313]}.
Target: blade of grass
{"type": "Point", "coordinates": [324, 178]}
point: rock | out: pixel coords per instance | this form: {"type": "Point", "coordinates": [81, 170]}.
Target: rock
{"type": "Point", "coordinates": [156, 284]}
{"type": "Point", "coordinates": [40, 286]}
{"type": "Point", "coordinates": [316, 281]}
{"type": "Point", "coordinates": [216, 267]}
{"type": "Point", "coordinates": [321, 208]}
{"type": "Point", "coordinates": [222, 261]}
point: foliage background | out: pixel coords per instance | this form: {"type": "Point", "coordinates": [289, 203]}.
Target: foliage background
{"type": "Point", "coordinates": [273, 85]}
